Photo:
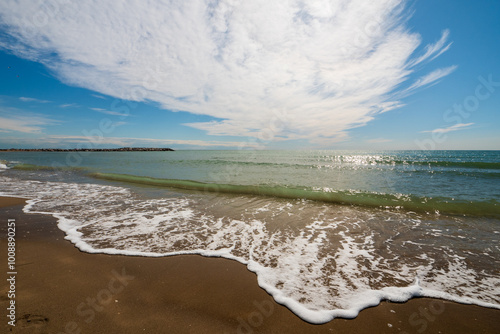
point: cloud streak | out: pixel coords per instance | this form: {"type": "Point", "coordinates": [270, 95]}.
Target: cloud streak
{"type": "Point", "coordinates": [69, 105]}
{"type": "Point", "coordinates": [110, 112]}
{"type": "Point", "coordinates": [266, 69]}
{"type": "Point", "coordinates": [456, 127]}
{"type": "Point", "coordinates": [432, 51]}
{"type": "Point", "coordinates": [32, 99]}
{"type": "Point", "coordinates": [15, 120]}
{"type": "Point", "coordinates": [431, 78]}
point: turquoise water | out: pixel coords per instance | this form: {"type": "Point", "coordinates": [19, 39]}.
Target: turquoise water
{"type": "Point", "coordinates": [328, 233]}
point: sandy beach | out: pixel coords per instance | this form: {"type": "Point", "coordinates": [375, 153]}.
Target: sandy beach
{"type": "Point", "coordinates": [59, 289]}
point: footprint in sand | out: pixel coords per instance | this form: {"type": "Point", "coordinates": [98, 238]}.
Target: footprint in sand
{"type": "Point", "coordinates": [32, 320]}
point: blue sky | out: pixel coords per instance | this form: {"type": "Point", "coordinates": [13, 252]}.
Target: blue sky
{"type": "Point", "coordinates": [256, 74]}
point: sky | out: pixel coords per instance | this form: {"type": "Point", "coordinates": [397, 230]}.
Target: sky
{"type": "Point", "coordinates": [260, 74]}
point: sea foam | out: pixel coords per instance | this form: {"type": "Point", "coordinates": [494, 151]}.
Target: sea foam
{"type": "Point", "coordinates": [320, 261]}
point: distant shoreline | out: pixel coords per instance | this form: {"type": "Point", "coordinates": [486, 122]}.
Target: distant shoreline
{"type": "Point", "coordinates": [122, 149]}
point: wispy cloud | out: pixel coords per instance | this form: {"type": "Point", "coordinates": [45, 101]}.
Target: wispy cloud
{"type": "Point", "coordinates": [99, 96]}
{"type": "Point", "coordinates": [31, 99]}
{"type": "Point", "coordinates": [110, 112]}
{"type": "Point", "coordinates": [69, 105]}
{"type": "Point", "coordinates": [117, 124]}
{"type": "Point", "coordinates": [456, 127]}
{"type": "Point", "coordinates": [432, 51]}
{"type": "Point", "coordinates": [15, 120]}
{"type": "Point", "coordinates": [308, 70]}
{"type": "Point", "coordinates": [428, 79]}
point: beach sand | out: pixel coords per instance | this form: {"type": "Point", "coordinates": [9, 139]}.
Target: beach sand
{"type": "Point", "coordinates": [62, 290]}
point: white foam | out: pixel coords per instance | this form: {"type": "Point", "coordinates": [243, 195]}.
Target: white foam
{"type": "Point", "coordinates": [3, 167]}
{"type": "Point", "coordinates": [327, 266]}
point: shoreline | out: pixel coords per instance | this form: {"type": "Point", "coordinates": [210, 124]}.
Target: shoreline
{"type": "Point", "coordinates": [60, 289]}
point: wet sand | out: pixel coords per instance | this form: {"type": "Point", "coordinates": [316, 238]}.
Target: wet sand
{"type": "Point", "coordinates": [62, 290]}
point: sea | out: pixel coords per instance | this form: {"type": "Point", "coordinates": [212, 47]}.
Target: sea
{"type": "Point", "coordinates": [328, 233]}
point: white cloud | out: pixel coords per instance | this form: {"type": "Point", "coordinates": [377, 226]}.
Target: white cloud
{"type": "Point", "coordinates": [32, 99]}
{"type": "Point", "coordinates": [69, 105]}
{"type": "Point", "coordinates": [110, 112]}
{"type": "Point", "coordinates": [431, 78]}
{"type": "Point", "coordinates": [432, 51]}
{"type": "Point", "coordinates": [15, 120]}
{"type": "Point", "coordinates": [459, 126]}
{"type": "Point", "coordinates": [268, 69]}
{"type": "Point", "coordinates": [117, 124]}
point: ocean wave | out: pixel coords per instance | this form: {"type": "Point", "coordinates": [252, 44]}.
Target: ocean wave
{"type": "Point", "coordinates": [31, 167]}
{"type": "Point", "coordinates": [344, 161]}
{"type": "Point", "coordinates": [346, 197]}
